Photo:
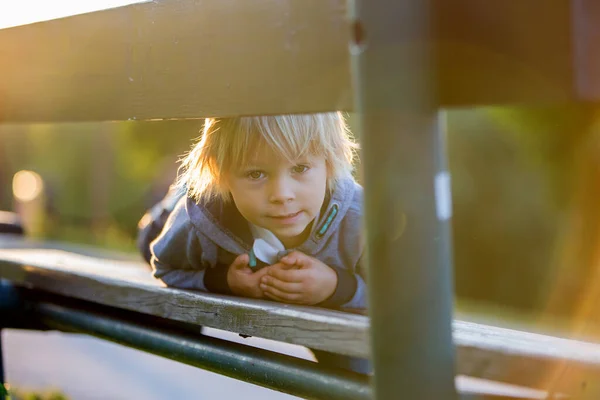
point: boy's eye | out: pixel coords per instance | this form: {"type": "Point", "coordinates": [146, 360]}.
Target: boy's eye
{"type": "Point", "coordinates": [300, 169]}
{"type": "Point", "coordinates": [254, 175]}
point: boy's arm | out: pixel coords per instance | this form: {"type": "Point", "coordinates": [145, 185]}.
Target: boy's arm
{"type": "Point", "coordinates": [176, 240]}
{"type": "Point", "coordinates": [153, 221]}
{"type": "Point", "coordinates": [350, 291]}
{"type": "Point", "coordinates": [169, 243]}
{"type": "Point", "coordinates": [176, 252]}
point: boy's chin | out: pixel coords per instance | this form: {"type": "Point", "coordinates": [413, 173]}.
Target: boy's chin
{"type": "Point", "coordinates": [290, 234]}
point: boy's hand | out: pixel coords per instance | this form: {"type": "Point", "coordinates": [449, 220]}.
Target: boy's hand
{"type": "Point", "coordinates": [300, 279]}
{"type": "Point", "coordinates": [242, 280]}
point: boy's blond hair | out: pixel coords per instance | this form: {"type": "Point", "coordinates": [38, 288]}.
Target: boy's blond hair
{"type": "Point", "coordinates": [227, 144]}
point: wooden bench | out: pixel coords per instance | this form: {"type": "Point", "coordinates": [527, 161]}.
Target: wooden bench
{"type": "Point", "coordinates": [164, 60]}
{"type": "Point", "coordinates": [494, 353]}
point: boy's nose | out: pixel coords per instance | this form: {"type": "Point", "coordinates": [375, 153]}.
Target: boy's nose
{"type": "Point", "coordinates": [281, 191]}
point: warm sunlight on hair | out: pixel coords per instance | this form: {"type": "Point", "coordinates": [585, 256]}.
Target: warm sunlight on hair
{"type": "Point", "coordinates": [227, 144]}
{"type": "Point", "coordinates": [22, 12]}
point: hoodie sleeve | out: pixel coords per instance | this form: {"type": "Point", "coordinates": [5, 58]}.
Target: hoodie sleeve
{"type": "Point", "coordinates": [358, 299]}
{"type": "Point", "coordinates": [350, 292]}
{"type": "Point", "coordinates": [154, 220]}
{"type": "Point", "coordinates": [175, 255]}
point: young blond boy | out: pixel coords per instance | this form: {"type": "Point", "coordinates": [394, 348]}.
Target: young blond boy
{"type": "Point", "coordinates": [250, 177]}
{"type": "Point", "coordinates": [281, 182]}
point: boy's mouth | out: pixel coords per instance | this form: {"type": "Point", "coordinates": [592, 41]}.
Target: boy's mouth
{"type": "Point", "coordinates": [285, 216]}
{"type": "Point", "coordinates": [285, 219]}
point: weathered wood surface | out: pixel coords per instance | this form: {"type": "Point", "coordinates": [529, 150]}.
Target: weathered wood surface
{"type": "Point", "coordinates": [129, 285]}
{"type": "Point", "coordinates": [188, 59]}
{"type": "Point", "coordinates": [178, 59]}
{"type": "Point", "coordinates": [484, 351]}
{"type": "Point", "coordinates": [523, 358]}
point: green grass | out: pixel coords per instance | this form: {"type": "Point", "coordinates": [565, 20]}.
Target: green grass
{"type": "Point", "coordinates": [25, 394]}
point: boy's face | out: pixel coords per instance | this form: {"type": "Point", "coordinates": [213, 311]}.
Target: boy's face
{"type": "Point", "coordinates": [280, 196]}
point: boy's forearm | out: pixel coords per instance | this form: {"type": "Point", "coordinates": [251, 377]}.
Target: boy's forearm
{"type": "Point", "coordinates": [215, 280]}
{"type": "Point", "coordinates": [212, 280]}
{"type": "Point", "coordinates": [181, 278]}
{"type": "Point", "coordinates": [348, 286]}
{"type": "Point", "coordinates": [151, 225]}
{"type": "Point", "coordinates": [359, 299]}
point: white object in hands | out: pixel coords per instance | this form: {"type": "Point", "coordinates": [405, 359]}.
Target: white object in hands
{"type": "Point", "coordinates": [266, 246]}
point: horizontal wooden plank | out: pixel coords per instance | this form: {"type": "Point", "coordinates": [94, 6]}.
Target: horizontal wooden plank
{"type": "Point", "coordinates": [514, 51]}
{"type": "Point", "coordinates": [524, 358]}
{"type": "Point", "coordinates": [188, 59]}
{"type": "Point", "coordinates": [484, 351]}
{"type": "Point", "coordinates": [178, 59]}
{"type": "Point", "coordinates": [129, 285]}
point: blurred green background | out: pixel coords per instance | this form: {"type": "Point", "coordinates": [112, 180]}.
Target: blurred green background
{"type": "Point", "coordinates": [525, 189]}
{"type": "Point", "coordinates": [98, 177]}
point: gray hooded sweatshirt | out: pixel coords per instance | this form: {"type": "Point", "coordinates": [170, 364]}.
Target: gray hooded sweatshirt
{"type": "Point", "coordinates": [199, 241]}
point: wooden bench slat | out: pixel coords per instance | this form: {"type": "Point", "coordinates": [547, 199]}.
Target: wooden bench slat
{"type": "Point", "coordinates": [129, 286]}
{"type": "Point", "coordinates": [522, 358]}
{"type": "Point", "coordinates": [178, 59]}
{"type": "Point", "coordinates": [189, 59]}
{"type": "Point", "coordinates": [484, 351]}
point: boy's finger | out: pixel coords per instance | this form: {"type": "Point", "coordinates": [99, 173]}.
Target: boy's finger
{"type": "Point", "coordinates": [243, 258]}
{"type": "Point", "coordinates": [284, 274]}
{"type": "Point", "coordinates": [279, 295]}
{"type": "Point", "coordinates": [246, 270]}
{"type": "Point", "coordinates": [280, 264]}
{"type": "Point", "coordinates": [257, 275]}
{"type": "Point", "coordinates": [273, 297]}
{"type": "Point", "coordinates": [241, 261]}
{"type": "Point", "coordinates": [295, 257]}
{"type": "Point", "coordinates": [287, 287]}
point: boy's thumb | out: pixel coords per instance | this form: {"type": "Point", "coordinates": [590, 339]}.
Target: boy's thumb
{"type": "Point", "coordinates": [241, 261]}
{"type": "Point", "coordinates": [293, 258]}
